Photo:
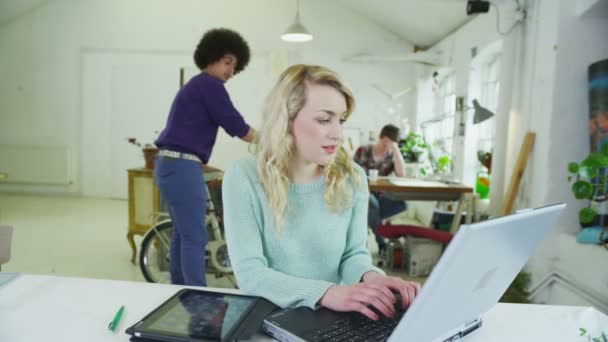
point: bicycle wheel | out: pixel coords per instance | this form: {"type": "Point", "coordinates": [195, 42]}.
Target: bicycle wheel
{"type": "Point", "coordinates": [154, 257]}
{"type": "Point", "coordinates": [154, 254]}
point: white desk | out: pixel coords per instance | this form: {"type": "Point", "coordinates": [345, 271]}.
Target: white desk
{"type": "Point", "coordinates": [43, 308]}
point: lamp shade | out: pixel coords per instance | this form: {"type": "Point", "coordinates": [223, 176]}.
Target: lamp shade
{"type": "Point", "coordinates": [481, 114]}
{"type": "Point", "coordinates": [297, 32]}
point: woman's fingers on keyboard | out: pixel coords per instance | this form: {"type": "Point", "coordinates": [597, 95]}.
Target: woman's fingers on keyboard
{"type": "Point", "coordinates": [388, 310]}
{"type": "Point", "coordinates": [386, 290]}
{"type": "Point", "coordinates": [411, 294]}
{"type": "Point", "coordinates": [385, 295]}
{"type": "Point", "coordinates": [407, 289]}
{"type": "Point", "coordinates": [417, 286]}
{"type": "Point", "coordinates": [363, 309]}
{"type": "Point", "coordinates": [378, 300]}
{"type": "Point", "coordinates": [411, 290]}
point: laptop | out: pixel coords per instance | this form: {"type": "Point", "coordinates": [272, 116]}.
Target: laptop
{"type": "Point", "coordinates": [473, 273]}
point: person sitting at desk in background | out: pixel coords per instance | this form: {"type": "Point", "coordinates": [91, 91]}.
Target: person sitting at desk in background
{"type": "Point", "coordinates": [295, 214]}
{"type": "Point", "coordinates": [199, 109]}
{"type": "Point", "coordinates": [384, 156]}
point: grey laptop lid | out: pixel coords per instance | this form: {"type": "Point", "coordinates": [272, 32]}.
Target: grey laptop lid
{"type": "Point", "coordinates": [475, 270]}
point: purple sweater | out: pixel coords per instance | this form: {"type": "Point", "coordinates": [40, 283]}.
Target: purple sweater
{"type": "Point", "coordinates": [199, 109]}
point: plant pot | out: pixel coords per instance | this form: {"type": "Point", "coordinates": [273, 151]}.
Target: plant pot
{"type": "Point", "coordinates": [150, 156]}
{"type": "Point", "coordinates": [599, 220]}
{"type": "Point", "coordinates": [412, 170]}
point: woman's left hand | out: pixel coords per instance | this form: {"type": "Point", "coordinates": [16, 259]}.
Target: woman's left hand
{"type": "Point", "coordinates": [408, 289]}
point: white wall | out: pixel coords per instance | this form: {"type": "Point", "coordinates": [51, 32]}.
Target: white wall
{"type": "Point", "coordinates": [50, 54]}
{"type": "Point", "coordinates": [579, 41]}
{"type": "Point", "coordinates": [549, 96]}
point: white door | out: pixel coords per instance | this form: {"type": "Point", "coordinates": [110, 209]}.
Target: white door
{"type": "Point", "coordinates": [130, 95]}
{"type": "Point", "coordinates": [124, 95]}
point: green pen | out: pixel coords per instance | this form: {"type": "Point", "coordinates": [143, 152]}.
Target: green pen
{"type": "Point", "coordinates": [112, 326]}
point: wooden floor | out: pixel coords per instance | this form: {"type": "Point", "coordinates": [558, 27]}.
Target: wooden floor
{"type": "Point", "coordinates": [80, 237]}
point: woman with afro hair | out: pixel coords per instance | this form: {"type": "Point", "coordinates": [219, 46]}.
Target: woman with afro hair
{"type": "Point", "coordinates": [200, 107]}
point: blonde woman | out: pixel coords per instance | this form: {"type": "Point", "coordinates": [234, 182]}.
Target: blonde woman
{"type": "Point", "coordinates": [296, 213]}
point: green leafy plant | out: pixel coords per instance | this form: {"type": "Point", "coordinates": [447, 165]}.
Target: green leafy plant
{"type": "Point", "coordinates": [443, 164]}
{"type": "Point", "coordinates": [412, 147]}
{"type": "Point", "coordinates": [518, 290]}
{"type": "Point", "coordinates": [589, 180]}
{"type": "Point", "coordinates": [602, 338]}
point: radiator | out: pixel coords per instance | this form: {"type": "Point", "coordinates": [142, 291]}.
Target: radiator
{"type": "Point", "coordinates": [35, 164]}
{"type": "Point", "coordinates": [598, 300]}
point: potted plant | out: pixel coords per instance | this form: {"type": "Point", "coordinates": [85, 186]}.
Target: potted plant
{"type": "Point", "coordinates": [444, 164]}
{"type": "Point", "coordinates": [485, 158]}
{"type": "Point", "coordinates": [482, 184]}
{"type": "Point", "coordinates": [589, 180]}
{"type": "Point", "coordinates": [412, 147]}
{"type": "Point", "coordinates": [149, 150]}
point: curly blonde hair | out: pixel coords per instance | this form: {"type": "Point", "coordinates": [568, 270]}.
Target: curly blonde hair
{"type": "Point", "coordinates": [276, 144]}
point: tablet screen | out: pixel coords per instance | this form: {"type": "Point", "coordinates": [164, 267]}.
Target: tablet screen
{"type": "Point", "coordinates": [198, 315]}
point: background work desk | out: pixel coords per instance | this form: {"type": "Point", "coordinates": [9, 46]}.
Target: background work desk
{"type": "Point", "coordinates": [422, 190]}
{"type": "Point", "coordinates": [43, 308]}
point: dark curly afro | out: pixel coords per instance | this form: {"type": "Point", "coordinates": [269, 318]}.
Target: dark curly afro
{"type": "Point", "coordinates": [218, 42]}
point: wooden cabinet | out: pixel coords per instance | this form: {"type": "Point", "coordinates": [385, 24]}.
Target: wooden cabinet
{"type": "Point", "coordinates": [144, 204]}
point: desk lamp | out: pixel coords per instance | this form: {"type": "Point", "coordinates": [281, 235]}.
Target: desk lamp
{"type": "Point", "coordinates": [480, 115]}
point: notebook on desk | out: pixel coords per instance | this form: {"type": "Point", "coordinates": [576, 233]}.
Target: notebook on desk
{"type": "Point", "coordinates": [477, 267]}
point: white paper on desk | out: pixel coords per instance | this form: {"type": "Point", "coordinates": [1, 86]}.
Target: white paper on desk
{"type": "Point", "coordinates": [414, 182]}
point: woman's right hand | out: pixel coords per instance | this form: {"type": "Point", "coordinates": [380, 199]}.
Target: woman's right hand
{"type": "Point", "coordinates": [360, 297]}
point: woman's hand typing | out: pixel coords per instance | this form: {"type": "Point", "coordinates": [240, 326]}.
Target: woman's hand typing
{"type": "Point", "coordinates": [360, 297]}
{"type": "Point", "coordinates": [408, 289]}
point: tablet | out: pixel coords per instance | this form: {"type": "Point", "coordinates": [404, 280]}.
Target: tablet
{"type": "Point", "coordinates": [197, 315]}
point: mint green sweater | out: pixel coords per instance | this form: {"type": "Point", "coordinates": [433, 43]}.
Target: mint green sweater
{"type": "Point", "coordinates": [315, 249]}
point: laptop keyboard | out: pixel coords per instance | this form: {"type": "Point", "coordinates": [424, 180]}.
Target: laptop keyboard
{"type": "Point", "coordinates": [357, 328]}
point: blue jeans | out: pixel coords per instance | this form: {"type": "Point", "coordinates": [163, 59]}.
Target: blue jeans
{"type": "Point", "coordinates": [381, 207]}
{"type": "Point", "coordinates": [182, 185]}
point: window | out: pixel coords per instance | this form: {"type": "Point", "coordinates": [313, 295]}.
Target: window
{"type": "Point", "coordinates": [489, 99]}
{"type": "Point", "coordinates": [440, 133]}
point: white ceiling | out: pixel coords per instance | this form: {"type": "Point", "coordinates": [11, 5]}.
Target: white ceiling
{"type": "Point", "coordinates": [420, 22]}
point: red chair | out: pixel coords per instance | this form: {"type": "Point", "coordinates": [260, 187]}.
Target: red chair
{"type": "Point", "coordinates": [396, 258]}
{"type": "Point", "coordinates": [396, 231]}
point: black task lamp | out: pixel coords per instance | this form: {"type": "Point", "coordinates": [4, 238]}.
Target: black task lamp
{"type": "Point", "coordinates": [481, 114]}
